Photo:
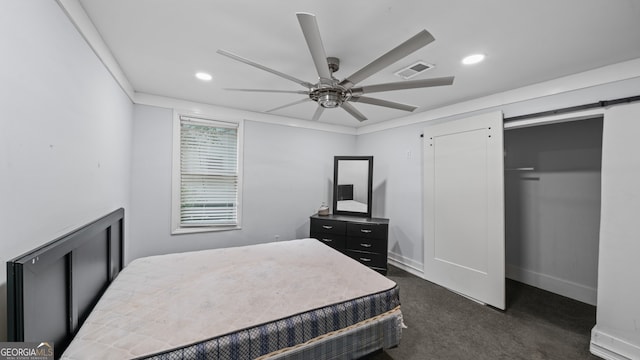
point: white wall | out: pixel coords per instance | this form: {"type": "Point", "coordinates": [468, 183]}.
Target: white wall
{"type": "Point", "coordinates": [397, 188]}
{"type": "Point", "coordinates": [618, 315]}
{"type": "Point", "coordinates": [288, 173]}
{"type": "Point", "coordinates": [65, 132]}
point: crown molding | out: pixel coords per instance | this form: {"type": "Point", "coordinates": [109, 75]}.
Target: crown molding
{"type": "Point", "coordinates": [581, 81]}
{"type": "Point", "coordinates": [79, 18]}
{"type": "Point", "coordinates": [221, 112]}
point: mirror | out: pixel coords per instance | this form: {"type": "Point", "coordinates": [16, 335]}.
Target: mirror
{"type": "Point", "coordinates": [352, 180]}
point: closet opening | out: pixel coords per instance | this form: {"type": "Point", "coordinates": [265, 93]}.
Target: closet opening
{"type": "Point", "coordinates": [552, 207]}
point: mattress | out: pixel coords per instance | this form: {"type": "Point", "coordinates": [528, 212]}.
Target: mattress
{"type": "Point", "coordinates": [237, 303]}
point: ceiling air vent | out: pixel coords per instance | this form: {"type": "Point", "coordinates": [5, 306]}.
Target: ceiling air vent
{"type": "Point", "coordinates": [413, 70]}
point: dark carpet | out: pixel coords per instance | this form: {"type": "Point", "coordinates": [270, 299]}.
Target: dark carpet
{"type": "Point", "coordinates": [443, 325]}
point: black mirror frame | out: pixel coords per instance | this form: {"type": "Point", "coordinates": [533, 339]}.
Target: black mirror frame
{"type": "Point", "coordinates": [336, 160]}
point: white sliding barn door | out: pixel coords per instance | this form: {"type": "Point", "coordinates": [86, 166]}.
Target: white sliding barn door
{"type": "Point", "coordinates": [464, 207]}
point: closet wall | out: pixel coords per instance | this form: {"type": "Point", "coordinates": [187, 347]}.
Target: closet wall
{"type": "Point", "coordinates": [552, 206]}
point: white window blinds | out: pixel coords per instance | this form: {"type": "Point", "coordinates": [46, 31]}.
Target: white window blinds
{"type": "Point", "coordinates": [208, 173]}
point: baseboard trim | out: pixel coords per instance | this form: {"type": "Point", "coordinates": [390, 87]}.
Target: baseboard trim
{"type": "Point", "coordinates": [611, 348]}
{"type": "Point", "coordinates": [409, 265]}
{"type": "Point", "coordinates": [556, 285]}
{"type": "Point", "coordinates": [415, 268]}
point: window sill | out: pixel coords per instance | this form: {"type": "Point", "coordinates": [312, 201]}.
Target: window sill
{"type": "Point", "coordinates": [195, 230]}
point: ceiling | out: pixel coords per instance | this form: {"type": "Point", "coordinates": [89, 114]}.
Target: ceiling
{"type": "Point", "coordinates": [161, 44]}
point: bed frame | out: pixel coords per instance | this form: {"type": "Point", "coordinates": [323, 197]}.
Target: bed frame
{"type": "Point", "coordinates": [52, 289]}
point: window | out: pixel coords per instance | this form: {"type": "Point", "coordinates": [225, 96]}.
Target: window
{"type": "Point", "coordinates": [206, 186]}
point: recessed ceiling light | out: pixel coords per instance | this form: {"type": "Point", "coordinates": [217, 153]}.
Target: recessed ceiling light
{"type": "Point", "coordinates": [473, 59]}
{"type": "Point", "coordinates": [204, 76]}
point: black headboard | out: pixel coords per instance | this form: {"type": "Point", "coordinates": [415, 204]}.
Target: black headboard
{"type": "Point", "coordinates": [345, 192]}
{"type": "Point", "coordinates": [52, 289]}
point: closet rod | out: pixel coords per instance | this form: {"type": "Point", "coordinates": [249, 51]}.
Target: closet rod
{"type": "Point", "coordinates": [598, 104]}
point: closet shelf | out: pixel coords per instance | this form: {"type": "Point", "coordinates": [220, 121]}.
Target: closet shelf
{"type": "Point", "coordinates": [520, 169]}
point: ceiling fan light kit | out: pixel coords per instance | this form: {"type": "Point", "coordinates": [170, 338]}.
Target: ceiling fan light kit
{"type": "Point", "coordinates": [330, 92]}
{"type": "Point", "coordinates": [328, 98]}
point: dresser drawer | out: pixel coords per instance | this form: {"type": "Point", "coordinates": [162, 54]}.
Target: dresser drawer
{"type": "Point", "coordinates": [337, 242]}
{"type": "Point", "coordinates": [363, 239]}
{"type": "Point", "coordinates": [367, 244]}
{"type": "Point", "coordinates": [369, 259]}
{"type": "Point", "coordinates": [371, 231]}
{"type": "Point", "coordinates": [328, 227]}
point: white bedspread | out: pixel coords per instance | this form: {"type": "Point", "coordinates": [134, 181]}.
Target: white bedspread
{"type": "Point", "coordinates": [351, 205]}
{"type": "Point", "coordinates": [163, 302]}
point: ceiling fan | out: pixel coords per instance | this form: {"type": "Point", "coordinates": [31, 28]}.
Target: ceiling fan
{"type": "Point", "coordinates": [330, 92]}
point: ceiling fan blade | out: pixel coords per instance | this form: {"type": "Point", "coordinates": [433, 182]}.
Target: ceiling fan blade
{"type": "Point", "coordinates": [262, 67]}
{"type": "Point", "coordinates": [290, 104]}
{"type": "Point", "coordinates": [318, 113]}
{"type": "Point", "coordinates": [385, 103]}
{"type": "Point", "coordinates": [302, 92]}
{"type": "Point", "coordinates": [353, 111]}
{"type": "Point", "coordinates": [416, 42]}
{"type": "Point", "coordinates": [402, 85]}
{"type": "Point", "coordinates": [311, 33]}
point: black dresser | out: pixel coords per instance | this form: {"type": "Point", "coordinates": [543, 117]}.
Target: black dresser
{"type": "Point", "coordinates": [364, 239]}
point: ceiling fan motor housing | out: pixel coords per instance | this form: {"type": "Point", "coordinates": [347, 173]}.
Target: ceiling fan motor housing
{"type": "Point", "coordinates": [329, 97]}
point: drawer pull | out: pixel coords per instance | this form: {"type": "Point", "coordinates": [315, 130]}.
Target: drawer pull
{"type": "Point", "coordinates": [365, 259]}
{"type": "Point", "coordinates": [327, 240]}
{"type": "Point", "coordinates": [366, 231]}
{"type": "Point", "coordinates": [327, 226]}
{"type": "Point", "coordinates": [365, 245]}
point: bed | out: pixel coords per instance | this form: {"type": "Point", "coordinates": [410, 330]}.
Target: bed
{"type": "Point", "coordinates": [294, 299]}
